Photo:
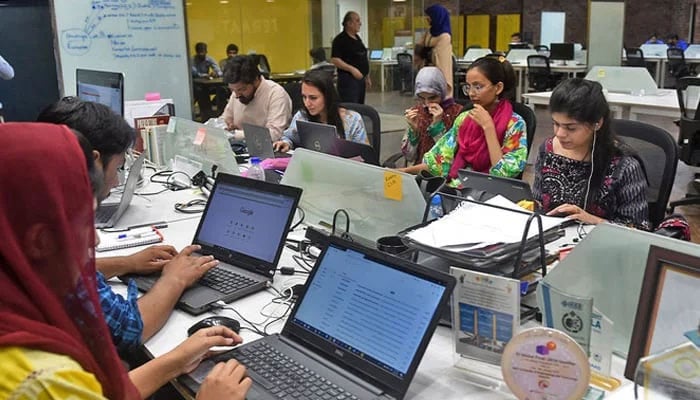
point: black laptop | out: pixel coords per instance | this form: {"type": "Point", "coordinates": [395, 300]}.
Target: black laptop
{"type": "Point", "coordinates": [324, 139]}
{"type": "Point", "coordinates": [259, 142]}
{"type": "Point", "coordinates": [485, 186]}
{"type": "Point", "coordinates": [244, 226]}
{"type": "Point", "coordinates": [107, 215]}
{"type": "Point", "coordinates": [358, 331]}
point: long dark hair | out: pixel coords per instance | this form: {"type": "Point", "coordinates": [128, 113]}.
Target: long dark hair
{"type": "Point", "coordinates": [584, 101]}
{"type": "Point", "coordinates": [497, 69]}
{"type": "Point", "coordinates": [323, 81]}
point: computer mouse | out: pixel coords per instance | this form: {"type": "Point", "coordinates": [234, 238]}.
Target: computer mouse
{"type": "Point", "coordinates": [215, 321]}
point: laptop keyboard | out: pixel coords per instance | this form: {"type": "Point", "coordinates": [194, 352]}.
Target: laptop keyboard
{"type": "Point", "coordinates": [104, 213]}
{"type": "Point", "coordinates": [225, 281]}
{"type": "Point", "coordinates": [286, 378]}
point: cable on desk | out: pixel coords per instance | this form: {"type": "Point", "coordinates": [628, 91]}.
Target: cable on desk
{"type": "Point", "coordinates": [187, 208]}
{"type": "Point", "coordinates": [252, 327]}
{"type": "Point", "coordinates": [152, 193]}
{"type": "Point", "coordinates": [335, 220]}
{"type": "Point", "coordinates": [170, 184]}
{"type": "Point", "coordinates": [301, 219]}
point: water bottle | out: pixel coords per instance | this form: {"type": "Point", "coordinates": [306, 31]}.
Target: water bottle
{"type": "Point", "coordinates": [256, 170]}
{"type": "Point", "coordinates": [435, 210]}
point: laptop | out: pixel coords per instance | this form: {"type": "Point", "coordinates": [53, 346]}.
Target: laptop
{"type": "Point", "coordinates": [259, 142]}
{"type": "Point", "coordinates": [244, 226]}
{"type": "Point", "coordinates": [107, 215]}
{"type": "Point", "coordinates": [324, 139]}
{"type": "Point", "coordinates": [485, 186]}
{"type": "Point", "coordinates": [360, 329]}
{"type": "Point", "coordinates": [375, 55]}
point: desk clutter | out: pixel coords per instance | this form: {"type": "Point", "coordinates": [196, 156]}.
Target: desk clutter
{"type": "Point", "coordinates": [132, 238]}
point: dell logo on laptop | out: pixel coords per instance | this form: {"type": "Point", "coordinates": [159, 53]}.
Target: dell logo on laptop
{"type": "Point", "coordinates": [317, 145]}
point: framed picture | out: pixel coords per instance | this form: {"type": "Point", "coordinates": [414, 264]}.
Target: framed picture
{"type": "Point", "coordinates": [668, 313]}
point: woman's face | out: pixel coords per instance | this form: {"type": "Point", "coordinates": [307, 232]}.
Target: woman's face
{"type": "Point", "coordinates": [314, 101]}
{"type": "Point", "coordinates": [427, 98]}
{"type": "Point", "coordinates": [481, 90]}
{"type": "Point", "coordinates": [571, 134]}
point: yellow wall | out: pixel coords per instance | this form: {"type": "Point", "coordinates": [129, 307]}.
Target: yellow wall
{"type": "Point", "coordinates": [389, 27]}
{"type": "Point", "coordinates": [478, 30]}
{"type": "Point", "coordinates": [280, 30]}
{"type": "Point", "coordinates": [506, 25]}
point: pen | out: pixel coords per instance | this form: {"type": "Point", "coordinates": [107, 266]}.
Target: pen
{"type": "Point", "coordinates": [159, 225]}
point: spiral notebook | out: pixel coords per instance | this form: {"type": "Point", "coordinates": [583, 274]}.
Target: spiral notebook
{"type": "Point", "coordinates": [123, 240]}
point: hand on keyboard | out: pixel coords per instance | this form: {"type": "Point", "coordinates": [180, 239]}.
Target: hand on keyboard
{"type": "Point", "coordinates": [186, 269]}
{"type": "Point", "coordinates": [150, 260]}
{"type": "Point", "coordinates": [225, 381]}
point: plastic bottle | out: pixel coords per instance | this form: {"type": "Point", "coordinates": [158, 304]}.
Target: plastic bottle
{"type": "Point", "coordinates": [256, 170]}
{"type": "Point", "coordinates": [435, 210]}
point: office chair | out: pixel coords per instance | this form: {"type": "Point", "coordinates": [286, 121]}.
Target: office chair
{"type": "Point", "coordinates": [677, 67]}
{"type": "Point", "coordinates": [542, 48]}
{"type": "Point", "coordinates": [294, 91]}
{"type": "Point", "coordinates": [530, 119]}
{"type": "Point", "coordinates": [263, 65]}
{"type": "Point", "coordinates": [635, 57]}
{"type": "Point", "coordinates": [373, 125]}
{"type": "Point", "coordinates": [405, 68]}
{"type": "Point", "coordinates": [539, 74]}
{"type": "Point", "coordinates": [658, 153]}
{"type": "Point", "coordinates": [689, 136]}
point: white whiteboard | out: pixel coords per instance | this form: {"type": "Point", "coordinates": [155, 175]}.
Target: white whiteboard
{"type": "Point", "coordinates": [552, 27]}
{"type": "Point", "coordinates": [144, 39]}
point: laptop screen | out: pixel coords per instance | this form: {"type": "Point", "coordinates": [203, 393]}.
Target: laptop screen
{"type": "Point", "coordinates": [246, 220]}
{"type": "Point", "coordinates": [372, 310]}
{"type": "Point", "coordinates": [101, 87]}
{"type": "Point", "coordinates": [376, 54]}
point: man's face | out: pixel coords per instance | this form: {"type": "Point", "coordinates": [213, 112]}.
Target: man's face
{"type": "Point", "coordinates": [354, 24]}
{"type": "Point", "coordinates": [111, 172]}
{"type": "Point", "coordinates": [244, 92]}
{"type": "Point", "coordinates": [231, 53]}
{"type": "Point", "coordinates": [201, 55]}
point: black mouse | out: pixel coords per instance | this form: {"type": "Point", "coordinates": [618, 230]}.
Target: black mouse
{"type": "Point", "coordinates": [215, 321]}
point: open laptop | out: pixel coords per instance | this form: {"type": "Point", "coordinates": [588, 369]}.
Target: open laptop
{"type": "Point", "coordinates": [376, 55]}
{"type": "Point", "coordinates": [244, 226]}
{"type": "Point", "coordinates": [107, 215]}
{"type": "Point", "coordinates": [485, 186]}
{"type": "Point", "coordinates": [360, 328]}
{"type": "Point", "coordinates": [259, 142]}
{"type": "Point", "coordinates": [324, 139]}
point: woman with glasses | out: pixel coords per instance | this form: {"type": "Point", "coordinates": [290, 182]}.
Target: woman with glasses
{"type": "Point", "coordinates": [489, 138]}
{"type": "Point", "coordinates": [431, 117]}
{"type": "Point", "coordinates": [583, 171]}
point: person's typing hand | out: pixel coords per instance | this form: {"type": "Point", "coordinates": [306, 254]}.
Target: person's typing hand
{"type": "Point", "coordinates": [281, 146]}
{"type": "Point", "coordinates": [186, 269]}
{"type": "Point", "coordinates": [188, 354]}
{"type": "Point", "coordinates": [225, 381]}
{"type": "Point", "coordinates": [150, 259]}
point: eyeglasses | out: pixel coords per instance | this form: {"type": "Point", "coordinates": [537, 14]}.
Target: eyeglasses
{"type": "Point", "coordinates": [467, 88]}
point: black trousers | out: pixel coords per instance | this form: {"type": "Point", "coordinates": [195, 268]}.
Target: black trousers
{"type": "Point", "coordinates": [350, 89]}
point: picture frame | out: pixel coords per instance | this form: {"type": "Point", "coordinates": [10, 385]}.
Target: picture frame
{"type": "Point", "coordinates": [666, 315]}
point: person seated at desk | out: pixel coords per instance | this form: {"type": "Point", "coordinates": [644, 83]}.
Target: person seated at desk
{"type": "Point", "coordinates": [255, 100]}
{"type": "Point", "coordinates": [431, 117]}
{"type": "Point", "coordinates": [318, 56]}
{"type": "Point", "coordinates": [583, 171]}
{"type": "Point", "coordinates": [489, 138]}
{"type": "Point", "coordinates": [54, 343]}
{"type": "Point", "coordinates": [674, 41]}
{"type": "Point", "coordinates": [204, 67]}
{"type": "Point", "coordinates": [231, 51]}
{"type": "Point", "coordinates": [320, 104]}
{"type": "Point", "coordinates": [131, 321]}
{"type": "Point", "coordinates": [654, 39]}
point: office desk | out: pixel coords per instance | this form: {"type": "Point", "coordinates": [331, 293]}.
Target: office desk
{"type": "Point", "coordinates": [208, 82]}
{"type": "Point", "coordinates": [382, 64]}
{"type": "Point", "coordinates": [627, 106]}
{"type": "Point", "coordinates": [284, 77]}
{"type": "Point", "coordinates": [522, 80]}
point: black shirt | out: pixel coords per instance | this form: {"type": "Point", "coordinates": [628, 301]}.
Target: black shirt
{"type": "Point", "coordinates": [352, 51]}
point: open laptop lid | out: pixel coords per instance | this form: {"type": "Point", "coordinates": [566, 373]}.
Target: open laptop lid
{"type": "Point", "coordinates": [258, 141]}
{"type": "Point", "coordinates": [318, 137]}
{"type": "Point", "coordinates": [376, 54]}
{"type": "Point", "coordinates": [245, 222]}
{"type": "Point", "coordinates": [132, 181]}
{"type": "Point", "coordinates": [371, 313]}
{"type": "Point", "coordinates": [512, 189]}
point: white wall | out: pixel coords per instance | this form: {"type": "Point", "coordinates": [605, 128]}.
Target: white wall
{"type": "Point", "coordinates": [333, 11]}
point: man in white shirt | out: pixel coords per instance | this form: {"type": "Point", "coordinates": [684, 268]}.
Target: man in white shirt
{"type": "Point", "coordinates": [6, 70]}
{"type": "Point", "coordinates": [255, 100]}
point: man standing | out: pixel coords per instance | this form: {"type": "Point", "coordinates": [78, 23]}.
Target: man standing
{"type": "Point", "coordinates": [349, 55]}
{"type": "Point", "coordinates": [255, 100]}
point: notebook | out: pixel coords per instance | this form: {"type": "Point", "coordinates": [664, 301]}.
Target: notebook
{"type": "Point", "coordinates": [324, 139]}
{"type": "Point", "coordinates": [244, 226]}
{"type": "Point", "coordinates": [107, 215]}
{"type": "Point", "coordinates": [376, 54]}
{"type": "Point", "coordinates": [259, 142]}
{"type": "Point", "coordinates": [362, 324]}
{"type": "Point", "coordinates": [485, 186]}
{"type": "Point", "coordinates": [133, 238]}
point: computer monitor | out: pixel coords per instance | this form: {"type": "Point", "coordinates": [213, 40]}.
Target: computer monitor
{"type": "Point", "coordinates": [101, 87]}
{"type": "Point", "coordinates": [561, 51]}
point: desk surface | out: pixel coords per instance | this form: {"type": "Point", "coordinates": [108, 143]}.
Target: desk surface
{"type": "Point", "coordinates": [665, 98]}
{"type": "Point", "coordinates": [436, 376]}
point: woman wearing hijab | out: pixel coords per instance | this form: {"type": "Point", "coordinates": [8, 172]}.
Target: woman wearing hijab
{"type": "Point", "coordinates": [431, 117]}
{"type": "Point", "coordinates": [439, 39]}
{"type": "Point", "coordinates": [54, 343]}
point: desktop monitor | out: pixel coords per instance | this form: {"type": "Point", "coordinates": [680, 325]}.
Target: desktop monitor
{"type": "Point", "coordinates": [561, 51]}
{"type": "Point", "coordinates": [101, 87]}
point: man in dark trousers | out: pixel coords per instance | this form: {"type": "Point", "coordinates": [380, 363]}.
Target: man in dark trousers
{"type": "Point", "coordinates": [349, 55]}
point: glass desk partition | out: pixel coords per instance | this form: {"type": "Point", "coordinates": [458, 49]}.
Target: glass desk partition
{"type": "Point", "coordinates": [331, 183]}
{"type": "Point", "coordinates": [473, 54]}
{"type": "Point", "coordinates": [608, 265]}
{"type": "Point", "coordinates": [519, 56]}
{"type": "Point", "coordinates": [652, 50]}
{"type": "Point", "coordinates": [630, 80]}
{"type": "Point", "coordinates": [199, 143]}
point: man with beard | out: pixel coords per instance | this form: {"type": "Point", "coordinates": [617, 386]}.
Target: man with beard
{"type": "Point", "coordinates": [255, 100]}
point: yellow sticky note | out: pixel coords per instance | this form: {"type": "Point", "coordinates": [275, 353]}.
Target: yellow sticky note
{"type": "Point", "coordinates": [392, 186]}
{"type": "Point", "coordinates": [601, 73]}
{"type": "Point", "coordinates": [199, 137]}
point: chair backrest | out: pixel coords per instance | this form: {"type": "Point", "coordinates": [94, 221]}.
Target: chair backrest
{"type": "Point", "coordinates": [541, 47]}
{"type": "Point", "coordinates": [674, 53]}
{"type": "Point", "coordinates": [263, 65]}
{"type": "Point", "coordinates": [688, 90]}
{"type": "Point", "coordinates": [635, 57]}
{"type": "Point", "coordinates": [530, 121]}
{"type": "Point", "coordinates": [659, 155]}
{"type": "Point", "coordinates": [404, 59]}
{"type": "Point", "coordinates": [294, 91]}
{"type": "Point", "coordinates": [373, 124]}
{"type": "Point", "coordinates": [538, 63]}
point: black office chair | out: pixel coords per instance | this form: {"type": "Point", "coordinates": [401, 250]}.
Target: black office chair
{"type": "Point", "coordinates": [405, 69]}
{"type": "Point", "coordinates": [677, 67]}
{"type": "Point", "coordinates": [373, 125]}
{"type": "Point", "coordinates": [263, 65]}
{"type": "Point", "coordinates": [530, 121]}
{"type": "Point", "coordinates": [635, 57]}
{"type": "Point", "coordinates": [541, 48]}
{"type": "Point", "coordinates": [539, 74]}
{"type": "Point", "coordinates": [689, 136]}
{"type": "Point", "coordinates": [658, 153]}
{"type": "Point", "coordinates": [294, 91]}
